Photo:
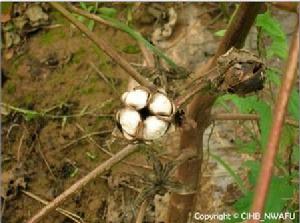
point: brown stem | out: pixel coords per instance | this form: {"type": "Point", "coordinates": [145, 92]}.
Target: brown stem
{"type": "Point", "coordinates": [142, 212]}
{"type": "Point", "coordinates": [287, 6]}
{"type": "Point", "coordinates": [105, 47]}
{"type": "Point", "coordinates": [108, 164]}
{"type": "Point", "coordinates": [233, 116]}
{"type": "Point", "coordinates": [64, 212]}
{"type": "Point", "coordinates": [264, 180]}
{"type": "Point", "coordinates": [237, 32]}
{"type": "Point", "coordinates": [199, 110]}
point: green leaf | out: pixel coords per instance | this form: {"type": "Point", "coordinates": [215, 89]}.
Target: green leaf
{"type": "Point", "coordinates": [254, 167]}
{"type": "Point", "coordinates": [110, 12]}
{"type": "Point", "coordinates": [280, 194]}
{"type": "Point", "coordinates": [272, 28]}
{"type": "Point", "coordinates": [83, 5]}
{"type": "Point", "coordinates": [249, 147]}
{"type": "Point", "coordinates": [293, 106]}
{"type": "Point", "coordinates": [30, 116]}
{"type": "Point", "coordinates": [220, 33]}
{"type": "Point", "coordinates": [131, 49]}
{"type": "Point", "coordinates": [278, 48]}
{"type": "Point", "coordinates": [91, 25]}
{"type": "Point", "coordinates": [269, 25]}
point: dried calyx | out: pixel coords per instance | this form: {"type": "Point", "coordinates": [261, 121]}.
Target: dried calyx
{"type": "Point", "coordinates": [146, 115]}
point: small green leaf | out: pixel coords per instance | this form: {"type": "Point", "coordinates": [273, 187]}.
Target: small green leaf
{"type": "Point", "coordinates": [30, 115]}
{"type": "Point", "coordinates": [64, 121]}
{"type": "Point", "coordinates": [83, 5]}
{"type": "Point", "coordinates": [131, 49]}
{"type": "Point", "coordinates": [91, 25]}
{"type": "Point", "coordinates": [90, 156]}
{"type": "Point", "coordinates": [74, 173]}
{"type": "Point", "coordinates": [249, 147]}
{"type": "Point", "coordinates": [110, 12]}
{"type": "Point", "coordinates": [81, 18]}
{"type": "Point", "coordinates": [220, 33]}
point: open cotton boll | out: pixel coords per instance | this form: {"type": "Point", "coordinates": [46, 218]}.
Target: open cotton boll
{"type": "Point", "coordinates": [137, 98]}
{"type": "Point", "coordinates": [129, 120]}
{"type": "Point", "coordinates": [160, 105]}
{"type": "Point", "coordinates": [154, 128]}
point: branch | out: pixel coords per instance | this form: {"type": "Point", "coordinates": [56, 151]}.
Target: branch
{"type": "Point", "coordinates": [287, 6]}
{"type": "Point", "coordinates": [265, 176]}
{"type": "Point", "coordinates": [105, 166]}
{"type": "Point", "coordinates": [64, 212]}
{"type": "Point", "coordinates": [105, 47]}
{"type": "Point", "coordinates": [237, 116]}
{"type": "Point", "coordinates": [199, 111]}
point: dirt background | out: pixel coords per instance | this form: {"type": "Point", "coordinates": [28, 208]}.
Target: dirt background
{"type": "Point", "coordinates": [51, 69]}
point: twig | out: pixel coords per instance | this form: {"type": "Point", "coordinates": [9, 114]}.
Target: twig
{"type": "Point", "coordinates": [265, 176]}
{"type": "Point", "coordinates": [245, 117]}
{"type": "Point", "coordinates": [288, 6]}
{"type": "Point", "coordinates": [101, 75]}
{"type": "Point", "coordinates": [142, 211]}
{"type": "Point", "coordinates": [91, 140]}
{"type": "Point", "coordinates": [20, 146]}
{"type": "Point", "coordinates": [43, 156]}
{"type": "Point", "coordinates": [89, 15]}
{"type": "Point", "coordinates": [105, 47]}
{"type": "Point", "coordinates": [148, 56]}
{"type": "Point", "coordinates": [33, 113]}
{"type": "Point", "coordinates": [64, 212]}
{"type": "Point", "coordinates": [104, 132]}
{"type": "Point", "coordinates": [108, 164]}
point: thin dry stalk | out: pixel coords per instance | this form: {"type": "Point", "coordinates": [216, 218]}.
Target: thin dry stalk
{"type": "Point", "coordinates": [265, 176]}
{"type": "Point", "coordinates": [105, 47]}
{"type": "Point", "coordinates": [64, 212]}
{"type": "Point", "coordinates": [104, 132]}
{"type": "Point", "coordinates": [142, 211]}
{"type": "Point", "coordinates": [20, 147]}
{"type": "Point", "coordinates": [108, 164]}
{"type": "Point", "coordinates": [102, 76]}
{"type": "Point", "coordinates": [245, 117]}
{"type": "Point", "coordinates": [110, 154]}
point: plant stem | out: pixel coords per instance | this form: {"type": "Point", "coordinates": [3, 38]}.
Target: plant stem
{"type": "Point", "coordinates": [142, 211]}
{"type": "Point", "coordinates": [105, 47]}
{"type": "Point", "coordinates": [64, 212]}
{"type": "Point", "coordinates": [198, 111]}
{"type": "Point", "coordinates": [269, 156]}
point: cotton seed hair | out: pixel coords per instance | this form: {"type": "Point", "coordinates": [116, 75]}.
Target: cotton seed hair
{"type": "Point", "coordinates": [144, 115]}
